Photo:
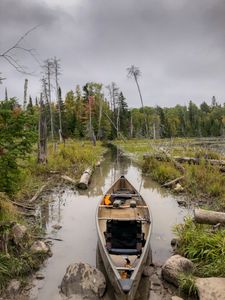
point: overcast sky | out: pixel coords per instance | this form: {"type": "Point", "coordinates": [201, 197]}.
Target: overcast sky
{"type": "Point", "coordinates": [179, 46]}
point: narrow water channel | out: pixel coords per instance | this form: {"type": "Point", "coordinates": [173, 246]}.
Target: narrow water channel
{"type": "Point", "coordinates": [75, 211]}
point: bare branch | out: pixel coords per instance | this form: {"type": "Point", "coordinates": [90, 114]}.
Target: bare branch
{"type": "Point", "coordinates": [9, 56]}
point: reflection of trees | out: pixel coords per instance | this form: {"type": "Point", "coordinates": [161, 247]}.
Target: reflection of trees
{"type": "Point", "coordinates": [148, 183]}
{"type": "Point", "coordinates": [114, 165]}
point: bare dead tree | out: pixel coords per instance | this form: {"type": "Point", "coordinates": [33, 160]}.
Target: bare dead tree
{"type": "Point", "coordinates": [25, 94]}
{"type": "Point", "coordinates": [48, 71]}
{"type": "Point", "coordinates": [6, 94]}
{"type": "Point", "coordinates": [99, 135]}
{"type": "Point", "coordinates": [42, 138]}
{"type": "Point", "coordinates": [9, 55]}
{"type": "Point", "coordinates": [135, 73]}
{"type": "Point", "coordinates": [57, 67]}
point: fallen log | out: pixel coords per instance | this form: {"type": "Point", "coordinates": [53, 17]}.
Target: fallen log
{"type": "Point", "coordinates": [67, 178]}
{"type": "Point", "coordinates": [172, 182]}
{"type": "Point", "coordinates": [23, 206]}
{"type": "Point", "coordinates": [209, 217]}
{"type": "Point", "coordinates": [38, 193]}
{"type": "Point", "coordinates": [189, 160]}
{"type": "Point", "coordinates": [85, 179]}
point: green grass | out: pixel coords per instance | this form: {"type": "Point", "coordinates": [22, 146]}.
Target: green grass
{"type": "Point", "coordinates": [70, 160]}
{"type": "Point", "coordinates": [203, 246]}
{"type": "Point", "coordinates": [187, 284]}
{"type": "Point", "coordinates": [160, 171]}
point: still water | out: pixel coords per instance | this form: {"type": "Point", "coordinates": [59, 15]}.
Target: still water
{"type": "Point", "coordinates": [75, 211]}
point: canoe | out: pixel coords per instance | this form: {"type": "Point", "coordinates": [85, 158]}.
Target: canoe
{"type": "Point", "coordinates": [123, 222]}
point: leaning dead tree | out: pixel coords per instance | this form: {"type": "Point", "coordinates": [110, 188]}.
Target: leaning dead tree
{"type": "Point", "coordinates": [135, 73]}
{"type": "Point", "coordinates": [42, 138]}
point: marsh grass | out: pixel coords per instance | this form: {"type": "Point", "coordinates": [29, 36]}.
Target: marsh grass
{"type": "Point", "coordinates": [202, 245]}
{"type": "Point", "coordinates": [71, 160]}
{"type": "Point", "coordinates": [201, 181]}
{"type": "Point", "coordinates": [7, 211]}
{"type": "Point", "coordinates": [187, 284]}
{"type": "Point", "coordinates": [160, 171]}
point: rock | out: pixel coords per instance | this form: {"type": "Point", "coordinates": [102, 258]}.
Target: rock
{"type": "Point", "coordinates": [81, 279]}
{"type": "Point", "coordinates": [178, 188]}
{"type": "Point", "coordinates": [18, 233]}
{"type": "Point", "coordinates": [148, 271]}
{"type": "Point", "coordinates": [211, 288]}
{"type": "Point", "coordinates": [39, 247]}
{"type": "Point", "coordinates": [40, 276]}
{"type": "Point", "coordinates": [13, 288]}
{"type": "Point", "coordinates": [173, 266]}
{"type": "Point", "coordinates": [57, 226]}
{"type": "Point", "coordinates": [182, 202]}
{"type": "Point", "coordinates": [176, 298]}
{"type": "Point", "coordinates": [174, 242]}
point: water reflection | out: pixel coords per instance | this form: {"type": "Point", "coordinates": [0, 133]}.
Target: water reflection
{"type": "Point", "coordinates": [75, 212]}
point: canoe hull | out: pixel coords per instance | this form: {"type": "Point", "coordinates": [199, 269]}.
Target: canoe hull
{"type": "Point", "coordinates": [109, 270]}
{"type": "Point", "coordinates": [124, 289]}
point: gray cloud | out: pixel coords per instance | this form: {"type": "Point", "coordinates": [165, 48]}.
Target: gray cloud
{"type": "Point", "coordinates": [179, 45]}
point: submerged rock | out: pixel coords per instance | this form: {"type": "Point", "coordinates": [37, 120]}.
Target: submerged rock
{"type": "Point", "coordinates": [57, 226]}
{"type": "Point", "coordinates": [83, 280]}
{"type": "Point", "coordinates": [211, 288]}
{"type": "Point", "coordinates": [175, 265]}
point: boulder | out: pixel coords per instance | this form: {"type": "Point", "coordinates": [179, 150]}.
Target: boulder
{"type": "Point", "coordinates": [18, 233]}
{"type": "Point", "coordinates": [176, 298]}
{"type": "Point", "coordinates": [175, 265]}
{"type": "Point", "coordinates": [39, 247]}
{"type": "Point", "coordinates": [211, 288]}
{"type": "Point", "coordinates": [83, 280]}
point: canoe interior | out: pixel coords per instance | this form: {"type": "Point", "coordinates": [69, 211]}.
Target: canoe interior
{"type": "Point", "coordinates": [132, 208]}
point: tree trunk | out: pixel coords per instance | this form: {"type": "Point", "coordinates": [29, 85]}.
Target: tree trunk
{"type": "Point", "coordinates": [42, 141]}
{"type": "Point", "coordinates": [25, 94]}
{"type": "Point", "coordinates": [100, 119]}
{"type": "Point", "coordinates": [145, 117]}
{"type": "Point", "coordinates": [209, 217]}
{"type": "Point", "coordinates": [49, 65]}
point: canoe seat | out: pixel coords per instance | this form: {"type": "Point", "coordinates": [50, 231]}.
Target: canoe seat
{"type": "Point", "coordinates": [124, 237]}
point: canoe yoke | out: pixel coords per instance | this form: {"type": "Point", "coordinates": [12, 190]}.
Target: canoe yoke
{"type": "Point", "coordinates": [124, 237]}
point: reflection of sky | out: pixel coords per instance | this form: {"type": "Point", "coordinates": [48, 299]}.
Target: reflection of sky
{"type": "Point", "coordinates": [75, 211]}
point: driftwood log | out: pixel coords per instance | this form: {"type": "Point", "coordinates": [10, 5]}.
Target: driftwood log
{"type": "Point", "coordinates": [69, 179]}
{"type": "Point", "coordinates": [85, 179]}
{"type": "Point", "coordinates": [38, 193]}
{"type": "Point", "coordinates": [23, 205]}
{"type": "Point", "coordinates": [209, 217]}
{"type": "Point", "coordinates": [172, 182]}
{"type": "Point", "coordinates": [196, 160]}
